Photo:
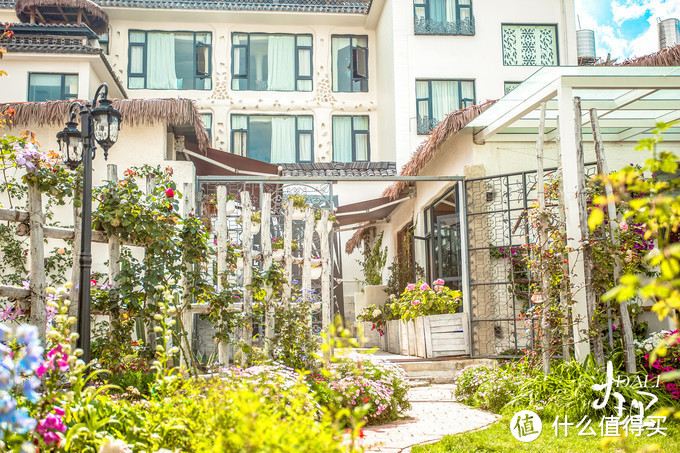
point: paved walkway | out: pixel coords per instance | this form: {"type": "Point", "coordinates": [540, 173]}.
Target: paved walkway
{"type": "Point", "coordinates": [434, 414]}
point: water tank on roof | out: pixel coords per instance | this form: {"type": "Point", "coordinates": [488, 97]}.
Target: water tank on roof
{"type": "Point", "coordinates": [669, 33]}
{"type": "Point", "coordinates": [585, 43]}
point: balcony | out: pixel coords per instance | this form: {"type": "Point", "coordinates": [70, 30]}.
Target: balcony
{"type": "Point", "coordinates": [465, 27]}
{"type": "Point", "coordinates": [426, 124]}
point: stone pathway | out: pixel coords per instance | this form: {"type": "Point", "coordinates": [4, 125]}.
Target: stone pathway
{"type": "Point", "coordinates": [433, 415]}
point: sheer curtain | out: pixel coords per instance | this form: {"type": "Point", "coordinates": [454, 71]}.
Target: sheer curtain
{"type": "Point", "coordinates": [450, 11]}
{"type": "Point", "coordinates": [161, 61]}
{"type": "Point", "coordinates": [342, 139]}
{"type": "Point", "coordinates": [283, 140]}
{"type": "Point", "coordinates": [281, 70]}
{"type": "Point", "coordinates": [444, 99]}
{"type": "Point", "coordinates": [438, 10]}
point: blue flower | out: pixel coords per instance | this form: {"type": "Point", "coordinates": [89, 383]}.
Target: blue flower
{"type": "Point", "coordinates": [30, 386]}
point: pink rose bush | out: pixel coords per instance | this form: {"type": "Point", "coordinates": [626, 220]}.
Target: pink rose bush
{"type": "Point", "coordinates": [422, 300]}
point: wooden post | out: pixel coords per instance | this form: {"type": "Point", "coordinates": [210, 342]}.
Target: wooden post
{"type": "Point", "coordinates": [326, 289]}
{"type": "Point", "coordinates": [114, 240]}
{"type": "Point", "coordinates": [247, 243]}
{"type": "Point", "coordinates": [184, 315]}
{"type": "Point", "coordinates": [543, 243]}
{"type": "Point", "coordinates": [75, 266]}
{"type": "Point", "coordinates": [287, 251]}
{"type": "Point", "coordinates": [150, 333]}
{"type": "Point", "coordinates": [222, 234]}
{"type": "Point", "coordinates": [307, 258]}
{"type": "Point", "coordinates": [565, 295]}
{"type": "Point", "coordinates": [38, 316]}
{"type": "Point", "coordinates": [585, 238]}
{"type": "Point", "coordinates": [266, 242]}
{"type": "Point", "coordinates": [626, 324]}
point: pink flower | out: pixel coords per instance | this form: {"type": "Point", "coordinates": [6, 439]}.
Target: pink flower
{"type": "Point", "coordinates": [439, 282]}
{"type": "Point", "coordinates": [93, 282]}
{"type": "Point", "coordinates": [59, 411]}
{"type": "Point", "coordinates": [424, 287]}
{"type": "Point", "coordinates": [416, 303]}
{"type": "Point", "coordinates": [623, 226]}
{"type": "Point", "coordinates": [410, 287]}
{"type": "Point", "coordinates": [438, 288]}
{"type": "Point", "coordinates": [169, 193]}
{"type": "Point", "coordinates": [51, 437]}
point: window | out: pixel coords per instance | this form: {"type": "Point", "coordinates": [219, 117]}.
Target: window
{"type": "Point", "coordinates": [279, 139]}
{"type": "Point", "coordinates": [170, 60]}
{"type": "Point", "coordinates": [350, 63]}
{"type": "Point", "coordinates": [437, 98]}
{"type": "Point", "coordinates": [444, 17]}
{"type": "Point", "coordinates": [530, 45]}
{"type": "Point", "coordinates": [350, 139]}
{"type": "Point", "coordinates": [509, 86]}
{"type": "Point", "coordinates": [262, 62]}
{"type": "Point", "coordinates": [104, 42]}
{"type": "Point", "coordinates": [207, 122]}
{"type": "Point", "coordinates": [52, 87]}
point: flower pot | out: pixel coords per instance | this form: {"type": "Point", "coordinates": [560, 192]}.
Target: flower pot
{"type": "Point", "coordinates": [440, 335]}
{"type": "Point", "coordinates": [255, 229]}
{"type": "Point", "coordinates": [239, 263]}
{"type": "Point", "coordinates": [329, 226]}
{"type": "Point", "coordinates": [277, 255]}
{"type": "Point", "coordinates": [316, 262]}
{"type": "Point", "coordinates": [298, 214]}
{"type": "Point", "coordinates": [231, 207]}
{"type": "Point", "coordinates": [316, 272]}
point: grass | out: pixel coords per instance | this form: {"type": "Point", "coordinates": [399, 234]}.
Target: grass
{"type": "Point", "coordinates": [497, 438]}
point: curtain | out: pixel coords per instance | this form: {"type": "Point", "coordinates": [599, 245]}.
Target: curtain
{"type": "Point", "coordinates": [444, 99]}
{"type": "Point", "coordinates": [438, 10]}
{"type": "Point", "coordinates": [283, 140]}
{"type": "Point", "coordinates": [342, 139]}
{"type": "Point", "coordinates": [451, 11]}
{"type": "Point", "coordinates": [161, 61]}
{"type": "Point", "coordinates": [281, 70]}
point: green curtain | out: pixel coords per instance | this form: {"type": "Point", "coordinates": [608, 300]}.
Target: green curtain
{"type": "Point", "coordinates": [281, 68]}
{"type": "Point", "coordinates": [283, 140]}
{"type": "Point", "coordinates": [342, 139]}
{"type": "Point", "coordinates": [161, 61]}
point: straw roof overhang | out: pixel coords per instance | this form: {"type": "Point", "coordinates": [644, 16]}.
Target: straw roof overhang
{"type": "Point", "coordinates": [357, 238]}
{"type": "Point", "coordinates": [670, 56]}
{"type": "Point", "coordinates": [180, 113]}
{"type": "Point", "coordinates": [63, 12]}
{"type": "Point", "coordinates": [449, 126]}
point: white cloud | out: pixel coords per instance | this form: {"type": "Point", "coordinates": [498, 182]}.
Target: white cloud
{"type": "Point", "coordinates": [647, 42]}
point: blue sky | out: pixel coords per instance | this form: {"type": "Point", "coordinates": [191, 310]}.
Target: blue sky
{"type": "Point", "coordinates": [625, 28]}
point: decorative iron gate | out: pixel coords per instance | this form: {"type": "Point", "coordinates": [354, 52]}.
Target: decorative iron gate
{"type": "Point", "coordinates": [499, 282]}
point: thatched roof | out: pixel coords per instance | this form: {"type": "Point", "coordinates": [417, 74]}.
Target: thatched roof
{"type": "Point", "coordinates": [450, 125]}
{"type": "Point", "coordinates": [172, 112]}
{"type": "Point", "coordinates": [669, 56]}
{"type": "Point", "coordinates": [356, 239]}
{"type": "Point", "coordinates": [63, 11]}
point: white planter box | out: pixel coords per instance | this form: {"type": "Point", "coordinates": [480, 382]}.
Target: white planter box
{"type": "Point", "coordinates": [393, 334]}
{"type": "Point", "coordinates": [439, 336]}
{"type": "Point", "coordinates": [298, 214]}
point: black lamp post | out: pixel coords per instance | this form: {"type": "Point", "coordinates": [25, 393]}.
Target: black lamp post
{"type": "Point", "coordinates": [99, 123]}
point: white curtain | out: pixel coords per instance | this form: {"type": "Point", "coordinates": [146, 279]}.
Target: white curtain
{"type": "Point", "coordinates": [342, 139]}
{"type": "Point", "coordinates": [281, 70]}
{"type": "Point", "coordinates": [161, 61]}
{"type": "Point", "coordinates": [444, 99]}
{"type": "Point", "coordinates": [451, 11]}
{"type": "Point", "coordinates": [283, 140]}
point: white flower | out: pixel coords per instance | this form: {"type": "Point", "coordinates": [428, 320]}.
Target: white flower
{"type": "Point", "coordinates": [115, 446]}
{"type": "Point", "coordinates": [377, 312]}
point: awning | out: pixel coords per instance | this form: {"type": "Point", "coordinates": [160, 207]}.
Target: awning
{"type": "Point", "coordinates": [221, 163]}
{"type": "Point", "coordinates": [367, 211]}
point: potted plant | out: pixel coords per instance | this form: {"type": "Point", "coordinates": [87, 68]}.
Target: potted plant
{"type": "Point", "coordinates": [277, 248]}
{"type": "Point", "coordinates": [331, 220]}
{"type": "Point", "coordinates": [316, 267]}
{"type": "Point", "coordinates": [255, 221]}
{"type": "Point", "coordinates": [299, 206]}
{"type": "Point", "coordinates": [231, 203]}
{"type": "Point", "coordinates": [435, 327]}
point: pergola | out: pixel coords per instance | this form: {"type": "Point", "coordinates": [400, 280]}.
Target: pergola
{"type": "Point", "coordinates": [629, 102]}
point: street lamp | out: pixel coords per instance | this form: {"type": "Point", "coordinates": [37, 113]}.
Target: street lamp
{"type": "Point", "coordinates": [100, 123]}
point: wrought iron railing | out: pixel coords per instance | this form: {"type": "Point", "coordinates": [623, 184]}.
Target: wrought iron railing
{"type": "Point", "coordinates": [426, 124]}
{"type": "Point", "coordinates": [436, 27]}
{"type": "Point", "coordinates": [47, 43]}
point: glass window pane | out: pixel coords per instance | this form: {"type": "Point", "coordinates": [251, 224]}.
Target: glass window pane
{"type": "Point", "coordinates": [305, 123]}
{"type": "Point", "coordinates": [361, 146]}
{"type": "Point", "coordinates": [44, 87]}
{"type": "Point", "coordinates": [240, 61]}
{"type": "Point", "coordinates": [468, 90]}
{"type": "Point", "coordinates": [304, 40]}
{"type": "Point", "coordinates": [202, 60]}
{"type": "Point", "coordinates": [136, 60]}
{"type": "Point", "coordinates": [135, 82]}
{"type": "Point", "coordinates": [239, 122]}
{"type": "Point", "coordinates": [342, 139]}
{"type": "Point", "coordinates": [239, 39]}
{"type": "Point", "coordinates": [304, 85]}
{"type": "Point", "coordinates": [207, 120]}
{"type": "Point", "coordinates": [304, 62]}
{"type": "Point", "coordinates": [360, 123]}
{"type": "Point", "coordinates": [342, 64]}
{"type": "Point", "coordinates": [305, 147]}
{"type": "Point", "coordinates": [361, 41]}
{"type": "Point", "coordinates": [464, 2]}
{"type": "Point", "coordinates": [258, 64]}
{"type": "Point", "coordinates": [422, 90]}
{"type": "Point", "coordinates": [71, 86]}
{"type": "Point", "coordinates": [204, 38]}
{"type": "Point", "coordinates": [239, 142]}
{"type": "Point", "coordinates": [137, 36]}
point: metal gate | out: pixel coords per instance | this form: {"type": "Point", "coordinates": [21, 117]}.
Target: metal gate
{"type": "Point", "coordinates": [498, 232]}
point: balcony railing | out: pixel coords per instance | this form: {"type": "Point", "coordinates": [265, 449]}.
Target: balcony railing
{"type": "Point", "coordinates": [426, 124]}
{"type": "Point", "coordinates": [436, 27]}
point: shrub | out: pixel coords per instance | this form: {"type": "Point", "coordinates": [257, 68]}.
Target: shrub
{"type": "Point", "coordinates": [668, 363]}
{"type": "Point", "coordinates": [362, 379]}
{"type": "Point", "coordinates": [422, 300]}
{"type": "Point", "coordinates": [489, 388]}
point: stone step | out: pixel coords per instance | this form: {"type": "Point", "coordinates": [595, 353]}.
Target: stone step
{"type": "Point", "coordinates": [439, 371]}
